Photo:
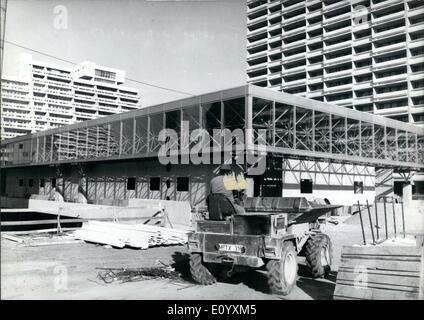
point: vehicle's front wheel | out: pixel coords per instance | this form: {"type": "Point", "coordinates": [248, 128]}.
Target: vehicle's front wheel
{"type": "Point", "coordinates": [198, 270]}
{"type": "Point", "coordinates": [282, 274]}
{"type": "Point", "coordinates": [319, 255]}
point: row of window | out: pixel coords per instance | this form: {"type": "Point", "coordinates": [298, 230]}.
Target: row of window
{"type": "Point", "coordinates": [154, 183]}
{"type": "Point", "coordinates": [306, 186]}
{"type": "Point", "coordinates": [21, 182]}
{"type": "Point", "coordinates": [183, 183]}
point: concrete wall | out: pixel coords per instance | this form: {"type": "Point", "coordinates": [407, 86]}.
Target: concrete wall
{"type": "Point", "coordinates": [107, 182]}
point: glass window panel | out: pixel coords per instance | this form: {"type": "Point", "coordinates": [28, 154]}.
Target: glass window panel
{"type": "Point", "coordinates": [353, 129]}
{"type": "Point", "coordinates": [34, 150]}
{"type": "Point", "coordinates": [82, 143]}
{"type": "Point", "coordinates": [141, 134]}
{"type": "Point", "coordinates": [102, 141]}
{"type": "Point", "coordinates": [26, 151]}
{"type": "Point", "coordinates": [7, 154]}
{"type": "Point", "coordinates": [72, 146]}
{"type": "Point", "coordinates": [48, 152]}
{"type": "Point", "coordinates": [173, 122]}
{"type": "Point", "coordinates": [304, 129]}
{"type": "Point", "coordinates": [234, 113]}
{"type": "Point", "coordinates": [412, 147]}
{"type": "Point", "coordinates": [192, 116]}
{"type": "Point", "coordinates": [41, 148]}
{"type": "Point", "coordinates": [127, 136]}
{"type": "Point", "coordinates": [402, 145]}
{"type": "Point", "coordinates": [284, 125]}
{"type": "Point", "coordinates": [211, 116]}
{"type": "Point", "coordinates": [63, 148]}
{"type": "Point", "coordinates": [338, 134]}
{"type": "Point", "coordinates": [367, 140]}
{"type": "Point", "coordinates": [114, 138]}
{"type": "Point", "coordinates": [211, 119]}
{"type": "Point", "coordinates": [322, 132]}
{"type": "Point", "coordinates": [56, 147]}
{"type": "Point", "coordinates": [156, 125]}
{"type": "Point", "coordinates": [262, 118]}
{"type": "Point", "coordinates": [391, 143]}
{"type": "Point", "coordinates": [379, 137]}
{"type": "Point", "coordinates": [92, 142]}
{"type": "Point", "coordinates": [420, 148]}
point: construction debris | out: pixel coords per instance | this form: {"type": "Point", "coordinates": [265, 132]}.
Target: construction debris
{"type": "Point", "coordinates": [127, 275]}
{"type": "Point", "coordinates": [12, 238]}
{"type": "Point", "coordinates": [140, 236]}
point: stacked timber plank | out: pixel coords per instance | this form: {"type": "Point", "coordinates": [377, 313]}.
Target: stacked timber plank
{"type": "Point", "coordinates": [140, 236]}
{"type": "Point", "coordinates": [380, 273]}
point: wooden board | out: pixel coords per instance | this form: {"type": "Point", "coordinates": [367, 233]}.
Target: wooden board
{"type": "Point", "coordinates": [380, 272]}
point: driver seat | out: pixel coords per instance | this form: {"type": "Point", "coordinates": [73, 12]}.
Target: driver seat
{"type": "Point", "coordinates": [219, 207]}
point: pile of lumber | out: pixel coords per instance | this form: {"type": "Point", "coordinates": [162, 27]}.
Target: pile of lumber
{"type": "Point", "coordinates": [119, 235]}
{"type": "Point", "coordinates": [380, 273]}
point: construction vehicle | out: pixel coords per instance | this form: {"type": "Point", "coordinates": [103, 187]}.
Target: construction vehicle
{"type": "Point", "coordinates": [270, 234]}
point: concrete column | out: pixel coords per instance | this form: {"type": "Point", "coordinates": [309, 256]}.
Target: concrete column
{"type": "Point", "coordinates": [384, 185]}
{"type": "Point", "coordinates": [407, 193]}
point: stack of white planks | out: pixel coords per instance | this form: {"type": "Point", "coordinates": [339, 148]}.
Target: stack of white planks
{"type": "Point", "coordinates": [140, 236]}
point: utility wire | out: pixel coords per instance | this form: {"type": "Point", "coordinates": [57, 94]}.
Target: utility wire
{"type": "Point", "coordinates": [74, 63]}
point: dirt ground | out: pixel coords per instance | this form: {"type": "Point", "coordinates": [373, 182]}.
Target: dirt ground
{"type": "Point", "coordinates": [68, 271]}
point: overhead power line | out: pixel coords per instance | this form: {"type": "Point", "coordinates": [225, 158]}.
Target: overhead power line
{"type": "Point", "coordinates": [74, 63]}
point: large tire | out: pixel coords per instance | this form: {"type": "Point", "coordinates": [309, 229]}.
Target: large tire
{"type": "Point", "coordinates": [199, 272]}
{"type": "Point", "coordinates": [282, 274]}
{"type": "Point", "coordinates": [319, 255]}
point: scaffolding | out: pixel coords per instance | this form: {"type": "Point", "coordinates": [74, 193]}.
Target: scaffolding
{"type": "Point", "coordinates": [295, 127]}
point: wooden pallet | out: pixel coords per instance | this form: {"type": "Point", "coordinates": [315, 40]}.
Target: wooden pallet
{"type": "Point", "coordinates": [380, 273]}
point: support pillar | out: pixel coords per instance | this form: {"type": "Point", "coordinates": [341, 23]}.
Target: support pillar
{"type": "Point", "coordinates": [407, 193]}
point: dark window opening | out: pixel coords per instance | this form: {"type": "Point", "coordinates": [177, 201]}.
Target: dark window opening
{"type": "Point", "coordinates": [305, 185]}
{"type": "Point", "coordinates": [21, 146]}
{"type": "Point", "coordinates": [42, 182]}
{"type": "Point", "coordinates": [21, 182]}
{"type": "Point", "coordinates": [30, 182]}
{"type": "Point", "coordinates": [53, 182]}
{"type": "Point", "coordinates": [183, 183]}
{"type": "Point", "coordinates": [131, 183]}
{"type": "Point", "coordinates": [418, 188]}
{"type": "Point", "coordinates": [358, 187]}
{"type": "Point", "coordinates": [154, 184]}
{"type": "Point", "coordinates": [398, 188]}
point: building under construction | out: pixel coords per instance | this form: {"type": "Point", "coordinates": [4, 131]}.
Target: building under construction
{"type": "Point", "coordinates": [313, 149]}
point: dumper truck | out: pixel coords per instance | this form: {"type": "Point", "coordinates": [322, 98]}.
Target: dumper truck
{"type": "Point", "coordinates": [269, 235]}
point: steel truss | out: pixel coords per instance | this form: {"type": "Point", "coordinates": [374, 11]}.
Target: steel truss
{"type": "Point", "coordinates": [295, 127]}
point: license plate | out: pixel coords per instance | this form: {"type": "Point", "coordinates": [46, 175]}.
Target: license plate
{"type": "Point", "coordinates": [231, 248]}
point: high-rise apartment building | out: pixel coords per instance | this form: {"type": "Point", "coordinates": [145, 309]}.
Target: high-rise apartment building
{"type": "Point", "coordinates": [366, 55]}
{"type": "Point", "coordinates": [50, 96]}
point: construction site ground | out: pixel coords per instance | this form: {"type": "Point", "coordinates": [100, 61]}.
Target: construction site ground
{"type": "Point", "coordinates": [68, 271]}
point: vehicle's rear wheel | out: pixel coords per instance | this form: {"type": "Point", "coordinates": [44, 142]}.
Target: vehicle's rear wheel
{"type": "Point", "coordinates": [198, 270]}
{"type": "Point", "coordinates": [319, 255]}
{"type": "Point", "coordinates": [282, 274]}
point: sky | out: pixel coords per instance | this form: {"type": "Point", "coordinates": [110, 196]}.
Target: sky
{"type": "Point", "coordinates": [195, 46]}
